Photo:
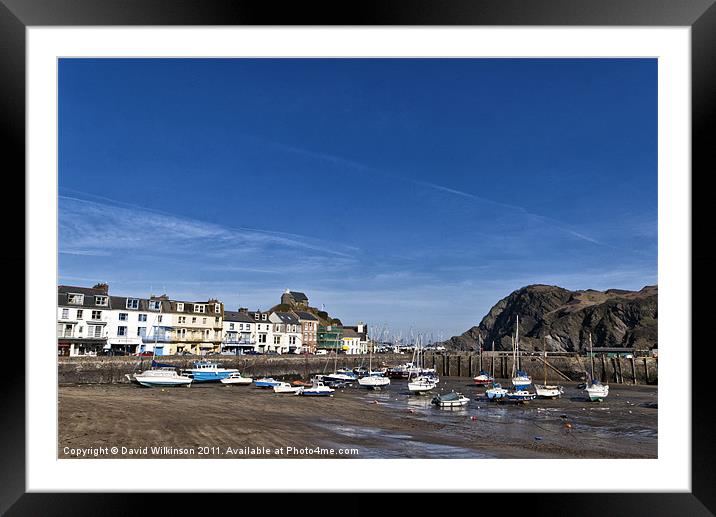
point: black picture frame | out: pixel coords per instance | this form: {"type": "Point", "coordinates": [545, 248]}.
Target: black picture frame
{"type": "Point", "coordinates": [699, 15]}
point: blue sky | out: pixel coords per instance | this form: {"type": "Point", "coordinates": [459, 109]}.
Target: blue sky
{"type": "Point", "coordinates": [407, 193]}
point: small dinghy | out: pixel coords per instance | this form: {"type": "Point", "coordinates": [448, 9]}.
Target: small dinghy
{"type": "Point", "coordinates": [450, 400]}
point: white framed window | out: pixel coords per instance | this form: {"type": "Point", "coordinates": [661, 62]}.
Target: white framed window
{"type": "Point", "coordinates": [256, 316]}
{"type": "Point", "coordinates": [75, 298]}
{"type": "Point", "coordinates": [182, 333]}
{"type": "Point", "coordinates": [201, 309]}
{"type": "Point", "coordinates": [180, 307]}
{"type": "Point", "coordinates": [79, 314]}
{"type": "Point", "coordinates": [207, 333]}
{"type": "Point", "coordinates": [65, 314]}
{"type": "Point", "coordinates": [203, 321]}
{"type": "Point", "coordinates": [217, 308]}
{"type": "Point", "coordinates": [262, 338]}
{"type": "Point", "coordinates": [292, 340]}
{"type": "Point", "coordinates": [182, 319]}
{"type": "Point", "coordinates": [154, 305]}
{"type": "Point", "coordinates": [193, 319]}
{"type": "Point", "coordinates": [141, 331]}
{"type": "Point", "coordinates": [277, 340]}
{"type": "Point", "coordinates": [132, 303]}
{"type": "Point", "coordinates": [216, 320]}
{"type": "Point", "coordinates": [94, 331]}
{"type": "Point", "coordinates": [121, 331]}
{"type": "Point", "coordinates": [142, 317]}
{"type": "Point", "coordinates": [102, 301]}
{"type": "Point", "coordinates": [159, 318]}
{"type": "Point", "coordinates": [123, 316]}
{"type": "Point", "coordinates": [231, 326]}
{"type": "Point", "coordinates": [96, 315]}
{"type": "Point", "coordinates": [263, 317]}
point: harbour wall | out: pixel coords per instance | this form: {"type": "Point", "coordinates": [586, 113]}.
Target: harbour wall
{"type": "Point", "coordinates": [636, 370]}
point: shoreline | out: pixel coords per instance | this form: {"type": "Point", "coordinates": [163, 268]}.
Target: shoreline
{"type": "Point", "coordinates": [216, 421]}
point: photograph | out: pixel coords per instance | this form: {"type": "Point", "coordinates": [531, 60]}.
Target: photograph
{"type": "Point", "coordinates": [357, 258]}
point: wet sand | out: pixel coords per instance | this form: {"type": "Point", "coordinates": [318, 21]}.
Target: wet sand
{"type": "Point", "coordinates": [216, 421]}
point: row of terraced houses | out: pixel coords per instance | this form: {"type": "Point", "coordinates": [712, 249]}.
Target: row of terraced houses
{"type": "Point", "coordinates": [90, 321]}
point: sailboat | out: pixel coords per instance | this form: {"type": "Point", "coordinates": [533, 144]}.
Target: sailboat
{"type": "Point", "coordinates": [373, 380]}
{"type": "Point", "coordinates": [548, 391]}
{"type": "Point", "coordinates": [595, 389]}
{"type": "Point", "coordinates": [520, 380]}
{"type": "Point", "coordinates": [339, 378]}
{"type": "Point", "coordinates": [421, 383]}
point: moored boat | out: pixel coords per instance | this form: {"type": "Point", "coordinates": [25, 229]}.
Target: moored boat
{"type": "Point", "coordinates": [266, 382]}
{"type": "Point", "coordinates": [520, 395]}
{"type": "Point", "coordinates": [318, 389]}
{"type": "Point", "coordinates": [285, 387]}
{"type": "Point", "coordinates": [209, 371]}
{"type": "Point", "coordinates": [496, 391]}
{"type": "Point", "coordinates": [236, 379]}
{"type": "Point", "coordinates": [596, 391]}
{"type": "Point", "coordinates": [549, 391]}
{"type": "Point", "coordinates": [483, 378]}
{"type": "Point", "coordinates": [162, 377]}
{"type": "Point", "coordinates": [450, 400]}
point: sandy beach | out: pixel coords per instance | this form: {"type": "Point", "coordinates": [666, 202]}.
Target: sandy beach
{"type": "Point", "coordinates": [216, 421]}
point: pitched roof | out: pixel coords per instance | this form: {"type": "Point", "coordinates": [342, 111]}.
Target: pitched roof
{"type": "Point", "coordinates": [298, 296]}
{"type": "Point", "coordinates": [303, 315]}
{"type": "Point", "coordinates": [88, 299]}
{"type": "Point", "coordinates": [287, 317]}
{"type": "Point", "coordinates": [238, 316]}
{"type": "Point", "coordinates": [349, 332]}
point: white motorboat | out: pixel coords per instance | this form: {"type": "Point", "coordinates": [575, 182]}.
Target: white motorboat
{"type": "Point", "coordinates": [266, 382]}
{"type": "Point", "coordinates": [236, 379]}
{"type": "Point", "coordinates": [318, 389]}
{"type": "Point", "coordinates": [374, 382]}
{"type": "Point", "coordinates": [285, 387]}
{"type": "Point", "coordinates": [450, 400]}
{"type": "Point", "coordinates": [162, 377]}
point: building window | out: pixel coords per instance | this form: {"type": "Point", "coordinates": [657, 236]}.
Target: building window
{"type": "Point", "coordinates": [182, 333]}
{"type": "Point", "coordinates": [263, 317]}
{"type": "Point", "coordinates": [79, 314]}
{"type": "Point", "coordinates": [142, 317]}
{"type": "Point", "coordinates": [216, 320]}
{"type": "Point", "coordinates": [121, 331]}
{"type": "Point", "coordinates": [231, 326]}
{"type": "Point", "coordinates": [65, 314]}
{"type": "Point", "coordinates": [200, 308]}
{"type": "Point", "coordinates": [262, 338]}
{"type": "Point", "coordinates": [180, 307]}
{"type": "Point", "coordinates": [132, 303]}
{"type": "Point", "coordinates": [101, 301]}
{"type": "Point", "coordinates": [203, 321]}
{"type": "Point", "coordinates": [159, 318]}
{"type": "Point", "coordinates": [193, 319]}
{"type": "Point", "coordinates": [75, 299]}
{"type": "Point", "coordinates": [292, 340]}
{"type": "Point", "coordinates": [154, 305]}
{"type": "Point", "coordinates": [96, 315]}
{"type": "Point", "coordinates": [277, 340]}
{"type": "Point", "coordinates": [141, 331]}
{"type": "Point", "coordinates": [206, 334]}
{"type": "Point", "coordinates": [123, 316]}
{"type": "Point", "coordinates": [95, 330]}
{"type": "Point", "coordinates": [217, 308]}
{"type": "Point", "coordinates": [256, 316]}
{"type": "Point", "coordinates": [182, 319]}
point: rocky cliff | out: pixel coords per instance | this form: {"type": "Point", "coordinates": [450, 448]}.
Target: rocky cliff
{"type": "Point", "coordinates": [562, 320]}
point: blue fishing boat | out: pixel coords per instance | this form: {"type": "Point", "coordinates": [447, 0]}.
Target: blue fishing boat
{"type": "Point", "coordinates": [496, 392]}
{"type": "Point", "coordinates": [266, 382]}
{"type": "Point", "coordinates": [208, 371]}
{"type": "Point", "coordinates": [520, 395]}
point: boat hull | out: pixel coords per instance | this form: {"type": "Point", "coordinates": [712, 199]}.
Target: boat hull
{"type": "Point", "coordinates": [521, 396]}
{"type": "Point", "coordinates": [495, 394]}
{"type": "Point", "coordinates": [152, 382]}
{"type": "Point", "coordinates": [374, 383]}
{"type": "Point", "coordinates": [549, 392]}
{"type": "Point", "coordinates": [210, 376]}
{"type": "Point", "coordinates": [243, 381]}
{"type": "Point", "coordinates": [597, 394]}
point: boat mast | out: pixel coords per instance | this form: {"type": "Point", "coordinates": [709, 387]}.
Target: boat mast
{"type": "Point", "coordinates": [591, 355]}
{"type": "Point", "coordinates": [517, 342]}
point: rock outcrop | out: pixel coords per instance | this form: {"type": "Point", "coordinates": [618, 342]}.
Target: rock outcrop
{"type": "Point", "coordinates": [562, 320]}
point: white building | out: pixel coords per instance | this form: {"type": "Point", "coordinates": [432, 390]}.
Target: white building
{"type": "Point", "coordinates": [82, 317]}
{"type": "Point", "coordinates": [262, 334]}
{"type": "Point", "coordinates": [240, 334]}
{"type": "Point", "coordinates": [287, 333]}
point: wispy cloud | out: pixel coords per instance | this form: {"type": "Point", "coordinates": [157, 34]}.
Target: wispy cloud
{"type": "Point", "coordinates": [362, 168]}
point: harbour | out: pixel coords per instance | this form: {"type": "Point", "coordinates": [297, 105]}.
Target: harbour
{"type": "Point", "coordinates": [212, 420]}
